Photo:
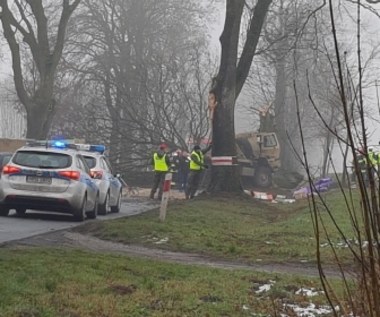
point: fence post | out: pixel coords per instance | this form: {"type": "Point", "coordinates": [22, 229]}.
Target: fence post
{"type": "Point", "coordinates": [165, 195]}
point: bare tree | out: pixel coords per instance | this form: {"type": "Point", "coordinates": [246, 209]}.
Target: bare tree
{"type": "Point", "coordinates": [362, 296]}
{"type": "Point", "coordinates": [149, 67]}
{"type": "Point", "coordinates": [26, 25]}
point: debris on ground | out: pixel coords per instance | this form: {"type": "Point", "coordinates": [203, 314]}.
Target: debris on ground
{"type": "Point", "coordinates": [283, 199]}
{"type": "Point", "coordinates": [260, 195]}
{"type": "Point", "coordinates": [271, 197]}
{"type": "Point", "coordinates": [320, 185]}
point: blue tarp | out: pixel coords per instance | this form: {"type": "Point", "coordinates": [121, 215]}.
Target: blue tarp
{"type": "Point", "coordinates": [320, 185]}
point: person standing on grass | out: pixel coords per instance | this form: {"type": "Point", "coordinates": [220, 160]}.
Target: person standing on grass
{"type": "Point", "coordinates": [182, 165]}
{"type": "Point", "coordinates": [161, 165]}
{"type": "Point", "coordinates": [197, 165]}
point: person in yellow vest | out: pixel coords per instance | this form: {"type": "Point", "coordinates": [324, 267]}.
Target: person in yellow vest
{"type": "Point", "coordinates": [161, 165]}
{"type": "Point", "coordinates": [197, 165]}
{"type": "Point", "coordinates": [372, 160]}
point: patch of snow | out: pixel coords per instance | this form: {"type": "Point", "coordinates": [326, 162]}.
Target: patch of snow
{"type": "Point", "coordinates": [309, 292]}
{"type": "Point", "coordinates": [164, 240]}
{"type": "Point", "coordinates": [265, 287]}
{"type": "Point", "coordinates": [311, 310]}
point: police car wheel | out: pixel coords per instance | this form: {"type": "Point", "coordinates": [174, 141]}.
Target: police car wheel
{"type": "Point", "coordinates": [4, 211]}
{"type": "Point", "coordinates": [117, 207]}
{"type": "Point", "coordinates": [93, 213]}
{"type": "Point", "coordinates": [20, 211]}
{"type": "Point", "coordinates": [80, 214]}
{"type": "Point", "coordinates": [105, 207]}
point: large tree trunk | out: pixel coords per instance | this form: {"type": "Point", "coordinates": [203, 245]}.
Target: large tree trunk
{"type": "Point", "coordinates": [40, 110]}
{"type": "Point", "coordinates": [39, 118]}
{"type": "Point", "coordinates": [282, 111]}
{"type": "Point", "coordinates": [227, 86]}
{"type": "Point", "coordinates": [226, 178]}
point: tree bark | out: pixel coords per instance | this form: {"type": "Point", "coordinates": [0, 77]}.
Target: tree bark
{"type": "Point", "coordinates": [227, 86]}
{"type": "Point", "coordinates": [38, 119]}
{"type": "Point", "coordinates": [281, 110]}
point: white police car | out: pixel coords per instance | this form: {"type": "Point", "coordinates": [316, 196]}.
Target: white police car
{"type": "Point", "coordinates": [110, 187]}
{"type": "Point", "coordinates": [48, 176]}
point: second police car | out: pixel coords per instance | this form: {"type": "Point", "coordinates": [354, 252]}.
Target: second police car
{"type": "Point", "coordinates": [48, 176]}
{"type": "Point", "coordinates": [110, 187]}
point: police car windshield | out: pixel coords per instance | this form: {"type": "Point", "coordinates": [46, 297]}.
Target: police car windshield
{"type": "Point", "coordinates": [91, 161]}
{"type": "Point", "coordinates": [42, 159]}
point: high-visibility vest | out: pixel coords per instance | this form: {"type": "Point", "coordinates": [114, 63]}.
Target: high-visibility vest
{"type": "Point", "coordinates": [160, 163]}
{"type": "Point", "coordinates": [372, 158]}
{"type": "Point", "coordinates": [193, 165]}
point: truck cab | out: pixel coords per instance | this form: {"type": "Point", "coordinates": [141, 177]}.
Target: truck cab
{"type": "Point", "coordinates": [258, 156]}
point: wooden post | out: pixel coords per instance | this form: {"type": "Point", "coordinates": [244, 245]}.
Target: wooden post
{"type": "Point", "coordinates": [165, 196]}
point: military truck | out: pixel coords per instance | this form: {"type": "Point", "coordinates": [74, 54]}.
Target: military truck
{"type": "Point", "coordinates": [258, 155]}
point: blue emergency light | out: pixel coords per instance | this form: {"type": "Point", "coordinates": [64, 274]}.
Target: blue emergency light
{"type": "Point", "coordinates": [98, 148]}
{"type": "Point", "coordinates": [91, 148]}
{"type": "Point", "coordinates": [59, 144]}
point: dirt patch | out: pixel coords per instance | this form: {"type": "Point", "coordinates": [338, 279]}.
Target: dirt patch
{"type": "Point", "coordinates": [69, 239]}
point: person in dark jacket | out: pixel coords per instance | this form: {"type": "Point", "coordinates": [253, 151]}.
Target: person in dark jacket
{"type": "Point", "coordinates": [197, 166]}
{"type": "Point", "coordinates": [161, 165]}
{"type": "Point", "coordinates": [182, 167]}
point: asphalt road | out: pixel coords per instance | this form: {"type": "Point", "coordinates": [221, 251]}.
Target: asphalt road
{"type": "Point", "coordinates": [34, 222]}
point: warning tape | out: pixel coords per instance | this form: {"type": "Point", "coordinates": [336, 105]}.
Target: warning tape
{"type": "Point", "coordinates": [224, 160]}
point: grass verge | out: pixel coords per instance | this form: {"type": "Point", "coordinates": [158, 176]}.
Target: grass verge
{"type": "Point", "coordinates": [236, 228]}
{"type": "Point", "coordinates": [66, 283]}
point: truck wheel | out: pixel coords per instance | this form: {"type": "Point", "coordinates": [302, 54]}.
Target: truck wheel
{"type": "Point", "coordinates": [263, 177]}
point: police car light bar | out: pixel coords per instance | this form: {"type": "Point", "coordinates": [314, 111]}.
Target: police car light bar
{"type": "Point", "coordinates": [66, 144]}
{"type": "Point", "coordinates": [59, 144]}
{"type": "Point", "coordinates": [91, 148]}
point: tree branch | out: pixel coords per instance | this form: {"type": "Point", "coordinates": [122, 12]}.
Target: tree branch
{"type": "Point", "coordinates": [6, 20]}
{"type": "Point", "coordinates": [249, 49]}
